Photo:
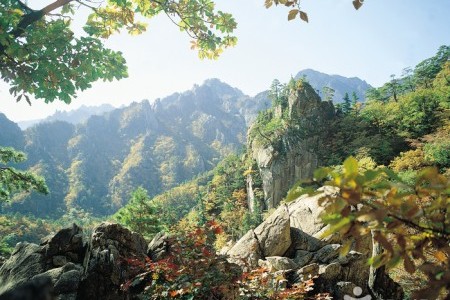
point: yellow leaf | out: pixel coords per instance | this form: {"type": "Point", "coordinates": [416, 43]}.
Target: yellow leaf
{"type": "Point", "coordinates": [440, 256]}
{"type": "Point", "coordinates": [292, 14]}
{"type": "Point", "coordinates": [268, 3]}
{"type": "Point", "coordinates": [345, 249]}
{"type": "Point", "coordinates": [351, 166]}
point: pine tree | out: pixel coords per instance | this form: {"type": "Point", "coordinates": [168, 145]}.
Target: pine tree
{"type": "Point", "coordinates": [140, 214]}
{"type": "Point", "coordinates": [346, 106]}
{"type": "Point", "coordinates": [355, 99]}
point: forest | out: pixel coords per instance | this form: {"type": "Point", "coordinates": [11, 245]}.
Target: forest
{"type": "Point", "coordinates": [303, 191]}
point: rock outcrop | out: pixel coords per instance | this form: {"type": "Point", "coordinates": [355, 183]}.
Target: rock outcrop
{"type": "Point", "coordinates": [306, 254]}
{"type": "Point", "coordinates": [66, 266]}
{"type": "Point", "coordinates": [292, 155]}
{"type": "Point", "coordinates": [271, 238]}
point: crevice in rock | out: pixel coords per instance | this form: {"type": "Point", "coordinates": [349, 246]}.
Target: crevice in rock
{"type": "Point", "coordinates": [261, 249]}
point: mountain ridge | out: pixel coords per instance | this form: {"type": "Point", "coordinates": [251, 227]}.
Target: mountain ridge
{"type": "Point", "coordinates": [94, 165]}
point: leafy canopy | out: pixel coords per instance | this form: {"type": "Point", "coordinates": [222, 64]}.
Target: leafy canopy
{"type": "Point", "coordinates": [140, 214]}
{"type": "Point", "coordinates": [410, 221]}
{"type": "Point", "coordinates": [41, 56]}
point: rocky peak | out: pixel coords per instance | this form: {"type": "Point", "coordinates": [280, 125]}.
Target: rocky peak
{"type": "Point", "coordinates": [288, 154]}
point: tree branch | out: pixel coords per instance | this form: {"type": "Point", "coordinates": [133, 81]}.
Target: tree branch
{"type": "Point", "coordinates": [31, 17]}
{"type": "Point", "coordinates": [410, 223]}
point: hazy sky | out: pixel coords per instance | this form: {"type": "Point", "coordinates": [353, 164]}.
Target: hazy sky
{"type": "Point", "coordinates": [380, 39]}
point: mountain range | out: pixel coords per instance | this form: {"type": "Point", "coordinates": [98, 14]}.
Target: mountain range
{"type": "Point", "coordinates": [75, 116]}
{"type": "Point", "coordinates": [93, 159]}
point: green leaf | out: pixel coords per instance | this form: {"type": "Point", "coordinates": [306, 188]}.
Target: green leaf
{"type": "Point", "coordinates": [351, 166]}
{"type": "Point", "coordinates": [321, 173]}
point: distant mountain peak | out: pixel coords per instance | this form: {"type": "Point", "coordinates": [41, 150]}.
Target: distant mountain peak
{"type": "Point", "coordinates": [339, 83]}
{"type": "Point", "coordinates": [219, 86]}
{"type": "Point", "coordinates": [75, 116]}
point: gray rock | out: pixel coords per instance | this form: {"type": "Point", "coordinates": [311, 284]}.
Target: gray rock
{"type": "Point", "coordinates": [327, 253]}
{"type": "Point", "coordinates": [302, 241]}
{"type": "Point", "coordinates": [25, 262]}
{"type": "Point", "coordinates": [330, 272]}
{"type": "Point", "coordinates": [246, 251]}
{"type": "Point", "coordinates": [271, 238]}
{"type": "Point", "coordinates": [66, 240]}
{"type": "Point", "coordinates": [38, 288]}
{"type": "Point", "coordinates": [158, 248]}
{"type": "Point", "coordinates": [302, 258]}
{"type": "Point", "coordinates": [274, 234]}
{"type": "Point", "coordinates": [68, 282]}
{"type": "Point", "coordinates": [30, 273]}
{"type": "Point", "coordinates": [106, 266]}
{"type": "Point", "coordinates": [278, 263]}
{"type": "Point", "coordinates": [59, 260]}
{"type": "Point", "coordinates": [305, 273]}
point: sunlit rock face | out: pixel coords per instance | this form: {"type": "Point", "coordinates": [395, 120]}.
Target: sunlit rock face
{"type": "Point", "coordinates": [291, 241]}
{"type": "Point", "coordinates": [291, 155]}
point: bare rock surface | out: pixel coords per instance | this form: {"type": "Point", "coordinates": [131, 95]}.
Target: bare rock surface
{"type": "Point", "coordinates": [66, 267]}
{"type": "Point", "coordinates": [290, 240]}
{"type": "Point", "coordinates": [270, 238]}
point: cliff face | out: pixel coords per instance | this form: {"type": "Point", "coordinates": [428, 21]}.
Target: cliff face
{"type": "Point", "coordinates": [287, 153]}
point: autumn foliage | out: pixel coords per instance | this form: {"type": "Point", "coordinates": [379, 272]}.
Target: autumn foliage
{"type": "Point", "coordinates": [193, 270]}
{"type": "Point", "coordinates": [410, 222]}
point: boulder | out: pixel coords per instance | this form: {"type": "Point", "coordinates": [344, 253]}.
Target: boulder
{"type": "Point", "coordinates": [302, 241]}
{"type": "Point", "coordinates": [68, 240]}
{"type": "Point", "coordinates": [26, 261]}
{"type": "Point", "coordinates": [106, 265]}
{"type": "Point", "coordinates": [64, 267]}
{"type": "Point", "coordinates": [327, 253]}
{"type": "Point", "coordinates": [302, 257]}
{"type": "Point", "coordinates": [271, 238]}
{"type": "Point", "coordinates": [38, 288]}
{"type": "Point", "coordinates": [247, 251]}
{"type": "Point", "coordinates": [274, 234]}
{"type": "Point", "coordinates": [158, 248]}
{"type": "Point", "coordinates": [277, 263]}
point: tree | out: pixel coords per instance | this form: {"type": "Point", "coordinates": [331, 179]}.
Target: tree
{"type": "Point", "coordinates": [346, 106]}
{"type": "Point", "coordinates": [41, 56]}
{"type": "Point", "coordinates": [13, 180]}
{"type": "Point", "coordinates": [140, 214]}
{"type": "Point", "coordinates": [393, 87]}
{"type": "Point", "coordinates": [328, 93]}
{"type": "Point", "coordinates": [355, 99]}
{"type": "Point", "coordinates": [275, 92]}
{"type": "Point", "coordinates": [426, 71]}
{"type": "Point", "coordinates": [408, 78]}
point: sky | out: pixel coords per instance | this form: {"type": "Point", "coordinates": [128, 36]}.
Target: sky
{"type": "Point", "coordinates": [378, 40]}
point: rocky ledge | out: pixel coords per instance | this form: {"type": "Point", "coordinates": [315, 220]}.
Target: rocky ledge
{"type": "Point", "coordinates": [68, 266]}
{"type": "Point", "coordinates": [290, 241]}
{"type": "Point", "coordinates": [65, 266]}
